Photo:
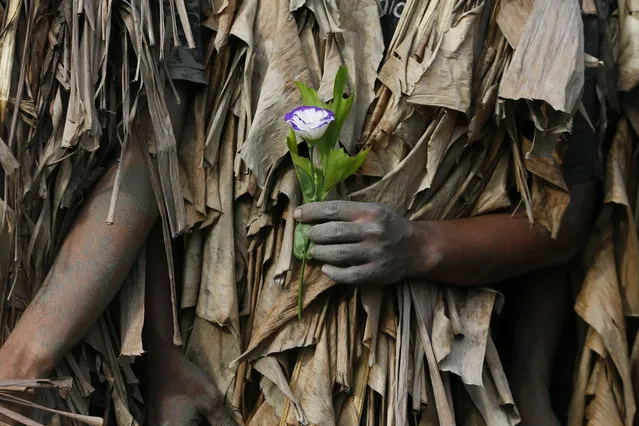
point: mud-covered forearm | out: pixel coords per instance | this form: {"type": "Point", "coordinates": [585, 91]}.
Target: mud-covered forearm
{"type": "Point", "coordinates": [363, 243]}
{"type": "Point", "coordinates": [87, 273]}
{"type": "Point", "coordinates": [487, 249]}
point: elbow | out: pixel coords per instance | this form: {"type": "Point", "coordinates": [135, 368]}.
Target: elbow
{"type": "Point", "coordinates": [573, 235]}
{"type": "Point", "coordinates": [570, 244]}
{"type": "Point", "coordinates": [577, 222]}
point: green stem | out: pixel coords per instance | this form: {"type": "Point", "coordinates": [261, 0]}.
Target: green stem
{"type": "Point", "coordinates": [307, 243]}
{"type": "Point", "coordinates": [301, 285]}
{"type": "Point", "coordinates": [311, 149]}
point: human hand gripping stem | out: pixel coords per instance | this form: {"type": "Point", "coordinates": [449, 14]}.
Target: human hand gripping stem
{"type": "Point", "coordinates": [363, 242]}
{"type": "Point", "coordinates": [318, 124]}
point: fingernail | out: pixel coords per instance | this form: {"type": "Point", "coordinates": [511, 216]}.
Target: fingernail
{"type": "Point", "coordinates": [324, 270]}
{"type": "Point", "coordinates": [297, 214]}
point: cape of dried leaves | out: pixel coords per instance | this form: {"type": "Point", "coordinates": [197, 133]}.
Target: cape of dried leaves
{"type": "Point", "coordinates": [437, 109]}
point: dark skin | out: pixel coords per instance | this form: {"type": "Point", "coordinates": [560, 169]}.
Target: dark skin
{"type": "Point", "coordinates": [179, 393]}
{"type": "Point", "coordinates": [368, 243]}
{"type": "Point", "coordinates": [470, 252]}
{"type": "Point", "coordinates": [540, 307]}
{"type": "Point", "coordinates": [371, 238]}
{"type": "Point", "coordinates": [90, 268]}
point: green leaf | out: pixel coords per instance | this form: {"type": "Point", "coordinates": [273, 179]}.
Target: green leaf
{"type": "Point", "coordinates": [305, 176]}
{"type": "Point", "coordinates": [291, 141]}
{"type": "Point", "coordinates": [341, 78]}
{"type": "Point", "coordinates": [325, 144]}
{"type": "Point", "coordinates": [300, 241]}
{"type": "Point", "coordinates": [340, 167]}
{"type": "Point", "coordinates": [309, 96]}
{"type": "Point", "coordinates": [341, 107]}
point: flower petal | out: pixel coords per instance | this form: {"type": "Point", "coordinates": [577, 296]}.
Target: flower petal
{"type": "Point", "coordinates": [309, 122]}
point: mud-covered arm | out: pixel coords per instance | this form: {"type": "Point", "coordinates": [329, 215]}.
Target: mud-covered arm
{"type": "Point", "coordinates": [370, 243]}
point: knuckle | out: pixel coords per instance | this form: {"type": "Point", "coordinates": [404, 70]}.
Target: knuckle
{"type": "Point", "coordinates": [331, 209]}
{"type": "Point", "coordinates": [381, 212]}
{"type": "Point", "coordinates": [314, 233]}
{"type": "Point", "coordinates": [311, 233]}
{"type": "Point", "coordinates": [341, 254]}
{"type": "Point", "coordinates": [332, 232]}
{"type": "Point", "coordinates": [377, 251]}
{"type": "Point", "coordinates": [317, 252]}
{"type": "Point", "coordinates": [357, 276]}
{"type": "Point", "coordinates": [375, 229]}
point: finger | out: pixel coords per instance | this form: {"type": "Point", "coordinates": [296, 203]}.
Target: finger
{"type": "Point", "coordinates": [354, 275]}
{"type": "Point", "coordinates": [326, 211]}
{"type": "Point", "coordinates": [337, 232]}
{"type": "Point", "coordinates": [343, 254]}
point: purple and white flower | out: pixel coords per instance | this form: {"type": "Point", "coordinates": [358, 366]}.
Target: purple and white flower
{"type": "Point", "coordinates": [309, 122]}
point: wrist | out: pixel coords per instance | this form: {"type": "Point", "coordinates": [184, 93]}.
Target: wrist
{"type": "Point", "coordinates": [22, 361]}
{"type": "Point", "coordinates": [428, 249]}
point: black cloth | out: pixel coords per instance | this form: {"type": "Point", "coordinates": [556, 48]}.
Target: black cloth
{"type": "Point", "coordinates": [391, 11]}
{"type": "Point", "coordinates": [580, 162]}
{"type": "Point", "coordinates": [184, 63]}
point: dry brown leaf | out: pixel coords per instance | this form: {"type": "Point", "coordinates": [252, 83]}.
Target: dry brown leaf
{"type": "Point", "coordinates": [548, 63]}
{"type": "Point", "coordinates": [289, 187]}
{"type": "Point", "coordinates": [218, 299]}
{"type": "Point", "coordinates": [495, 194]}
{"type": "Point", "coordinates": [600, 305]}
{"type": "Point", "coordinates": [313, 384]}
{"type": "Point", "coordinates": [343, 346]}
{"type": "Point", "coordinates": [603, 409]}
{"type": "Point", "coordinates": [628, 46]}
{"type": "Point", "coordinates": [275, 49]}
{"type": "Point", "coordinates": [618, 169]}
{"type": "Point", "coordinates": [327, 13]}
{"type": "Point", "coordinates": [351, 413]}
{"type": "Point", "coordinates": [379, 370]}
{"type": "Point", "coordinates": [264, 416]}
{"type": "Point", "coordinates": [395, 74]}
{"type": "Point", "coordinates": [549, 204]}
{"type": "Point", "coordinates": [467, 351]}
{"type": "Point", "coordinates": [132, 308]}
{"type": "Point", "coordinates": [371, 298]}
{"type": "Point", "coordinates": [212, 348]}
{"type": "Point", "coordinates": [271, 370]}
{"type": "Point", "coordinates": [410, 172]}
{"type": "Point", "coordinates": [7, 160]}
{"type": "Point", "coordinates": [499, 379]}
{"type": "Point", "coordinates": [295, 334]}
{"type": "Point", "coordinates": [403, 356]}
{"type": "Point", "coordinates": [7, 48]}
{"type": "Point", "coordinates": [634, 364]}
{"type": "Point", "coordinates": [284, 308]}
{"type": "Point", "coordinates": [486, 399]}
{"type": "Point", "coordinates": [512, 18]}
{"type": "Point", "coordinates": [447, 81]}
{"type": "Point", "coordinates": [422, 297]}
{"type": "Point", "coordinates": [359, 47]}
